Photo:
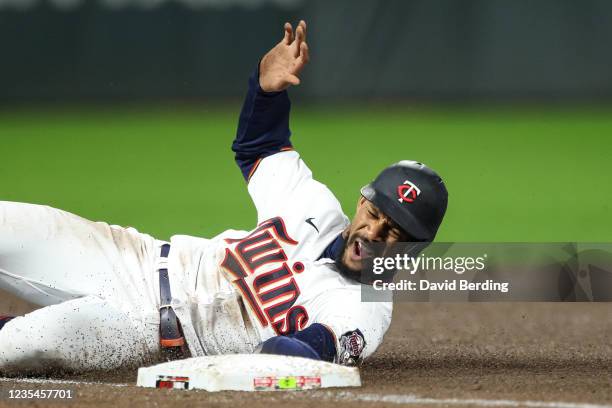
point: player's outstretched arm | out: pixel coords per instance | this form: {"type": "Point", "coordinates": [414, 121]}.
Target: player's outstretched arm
{"type": "Point", "coordinates": [281, 66]}
{"type": "Point", "coordinates": [263, 127]}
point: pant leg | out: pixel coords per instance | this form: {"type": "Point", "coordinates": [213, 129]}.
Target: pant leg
{"type": "Point", "coordinates": [76, 335]}
{"type": "Point", "coordinates": [48, 256]}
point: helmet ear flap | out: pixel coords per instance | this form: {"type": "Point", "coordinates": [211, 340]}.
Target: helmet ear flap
{"type": "Point", "coordinates": [409, 249]}
{"type": "Point", "coordinates": [414, 249]}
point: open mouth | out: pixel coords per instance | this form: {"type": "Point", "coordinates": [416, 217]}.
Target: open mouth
{"type": "Point", "coordinates": [358, 250]}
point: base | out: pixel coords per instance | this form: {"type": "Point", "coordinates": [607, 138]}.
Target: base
{"type": "Point", "coordinates": [248, 372]}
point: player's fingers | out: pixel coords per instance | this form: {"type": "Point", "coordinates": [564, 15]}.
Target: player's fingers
{"type": "Point", "coordinates": [288, 39]}
{"type": "Point", "coordinates": [304, 53]}
{"type": "Point", "coordinates": [292, 79]}
{"type": "Point", "coordinates": [299, 39]}
{"type": "Point", "coordinates": [303, 24]}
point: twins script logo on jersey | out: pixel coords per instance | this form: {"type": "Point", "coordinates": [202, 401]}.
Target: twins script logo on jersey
{"type": "Point", "coordinates": [408, 192]}
{"type": "Point", "coordinates": [258, 265]}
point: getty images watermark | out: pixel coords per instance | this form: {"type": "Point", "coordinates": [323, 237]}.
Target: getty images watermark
{"type": "Point", "coordinates": [476, 272]}
{"type": "Point", "coordinates": [411, 265]}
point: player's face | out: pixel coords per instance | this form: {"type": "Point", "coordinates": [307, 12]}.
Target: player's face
{"type": "Point", "coordinates": [368, 225]}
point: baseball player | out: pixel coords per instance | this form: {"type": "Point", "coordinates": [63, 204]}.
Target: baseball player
{"type": "Point", "coordinates": [112, 297]}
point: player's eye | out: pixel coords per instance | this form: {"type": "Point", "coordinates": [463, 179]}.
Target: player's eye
{"type": "Point", "coordinates": [395, 233]}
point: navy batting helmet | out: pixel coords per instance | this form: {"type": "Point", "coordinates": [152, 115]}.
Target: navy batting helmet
{"type": "Point", "coordinates": [412, 195]}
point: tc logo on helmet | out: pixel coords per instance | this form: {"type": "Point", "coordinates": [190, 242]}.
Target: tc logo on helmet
{"type": "Point", "coordinates": [407, 192]}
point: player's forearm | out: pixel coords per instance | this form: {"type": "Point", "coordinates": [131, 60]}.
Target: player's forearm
{"type": "Point", "coordinates": [287, 346]}
{"type": "Point", "coordinates": [263, 127]}
{"type": "Point", "coordinates": [316, 342]}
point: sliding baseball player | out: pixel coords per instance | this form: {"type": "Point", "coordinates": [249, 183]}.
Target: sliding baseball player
{"type": "Point", "coordinates": [113, 297]}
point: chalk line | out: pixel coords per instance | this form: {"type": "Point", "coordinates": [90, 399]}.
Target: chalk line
{"type": "Point", "coordinates": [59, 382]}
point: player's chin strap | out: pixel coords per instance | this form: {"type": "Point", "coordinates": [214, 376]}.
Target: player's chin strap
{"type": "Point", "coordinates": [171, 338]}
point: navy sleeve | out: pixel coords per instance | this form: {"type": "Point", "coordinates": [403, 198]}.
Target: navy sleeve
{"type": "Point", "coordinates": [263, 126]}
{"type": "Point", "coordinates": [288, 346]}
{"type": "Point", "coordinates": [316, 342]}
{"type": "Point", "coordinates": [334, 249]}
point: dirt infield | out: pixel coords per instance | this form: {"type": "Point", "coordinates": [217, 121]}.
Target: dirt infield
{"type": "Point", "coordinates": [434, 355]}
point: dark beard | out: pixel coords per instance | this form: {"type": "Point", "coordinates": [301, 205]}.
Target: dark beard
{"type": "Point", "coordinates": [343, 268]}
{"type": "Point", "coordinates": [358, 275]}
{"type": "Point", "coordinates": [367, 278]}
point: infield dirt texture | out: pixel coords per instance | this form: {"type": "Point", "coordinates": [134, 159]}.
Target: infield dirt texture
{"type": "Point", "coordinates": [512, 175]}
{"type": "Point", "coordinates": [484, 352]}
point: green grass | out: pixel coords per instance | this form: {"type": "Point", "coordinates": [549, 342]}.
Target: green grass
{"type": "Point", "coordinates": [512, 174]}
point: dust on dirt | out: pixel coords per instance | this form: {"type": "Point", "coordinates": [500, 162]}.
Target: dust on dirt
{"type": "Point", "coordinates": [515, 351]}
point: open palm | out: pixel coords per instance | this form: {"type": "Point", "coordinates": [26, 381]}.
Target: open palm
{"type": "Point", "coordinates": [280, 67]}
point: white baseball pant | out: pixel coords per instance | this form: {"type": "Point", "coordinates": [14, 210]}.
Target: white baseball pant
{"type": "Point", "coordinates": [96, 285]}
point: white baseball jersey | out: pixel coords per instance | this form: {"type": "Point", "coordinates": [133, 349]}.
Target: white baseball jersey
{"type": "Point", "coordinates": [241, 288]}
{"type": "Point", "coordinates": [98, 286]}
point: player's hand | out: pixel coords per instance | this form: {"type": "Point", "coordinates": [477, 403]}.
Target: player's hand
{"type": "Point", "coordinates": [281, 66]}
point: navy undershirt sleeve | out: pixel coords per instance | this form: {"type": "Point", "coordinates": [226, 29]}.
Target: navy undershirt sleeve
{"type": "Point", "coordinates": [263, 126]}
{"type": "Point", "coordinates": [334, 248]}
{"type": "Point", "coordinates": [315, 342]}
{"type": "Point", "coordinates": [288, 346]}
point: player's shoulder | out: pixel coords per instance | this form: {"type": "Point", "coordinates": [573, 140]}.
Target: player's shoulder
{"type": "Point", "coordinates": [283, 187]}
{"type": "Point", "coordinates": [286, 173]}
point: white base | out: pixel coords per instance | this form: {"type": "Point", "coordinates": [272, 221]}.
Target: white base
{"type": "Point", "coordinates": [248, 372]}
